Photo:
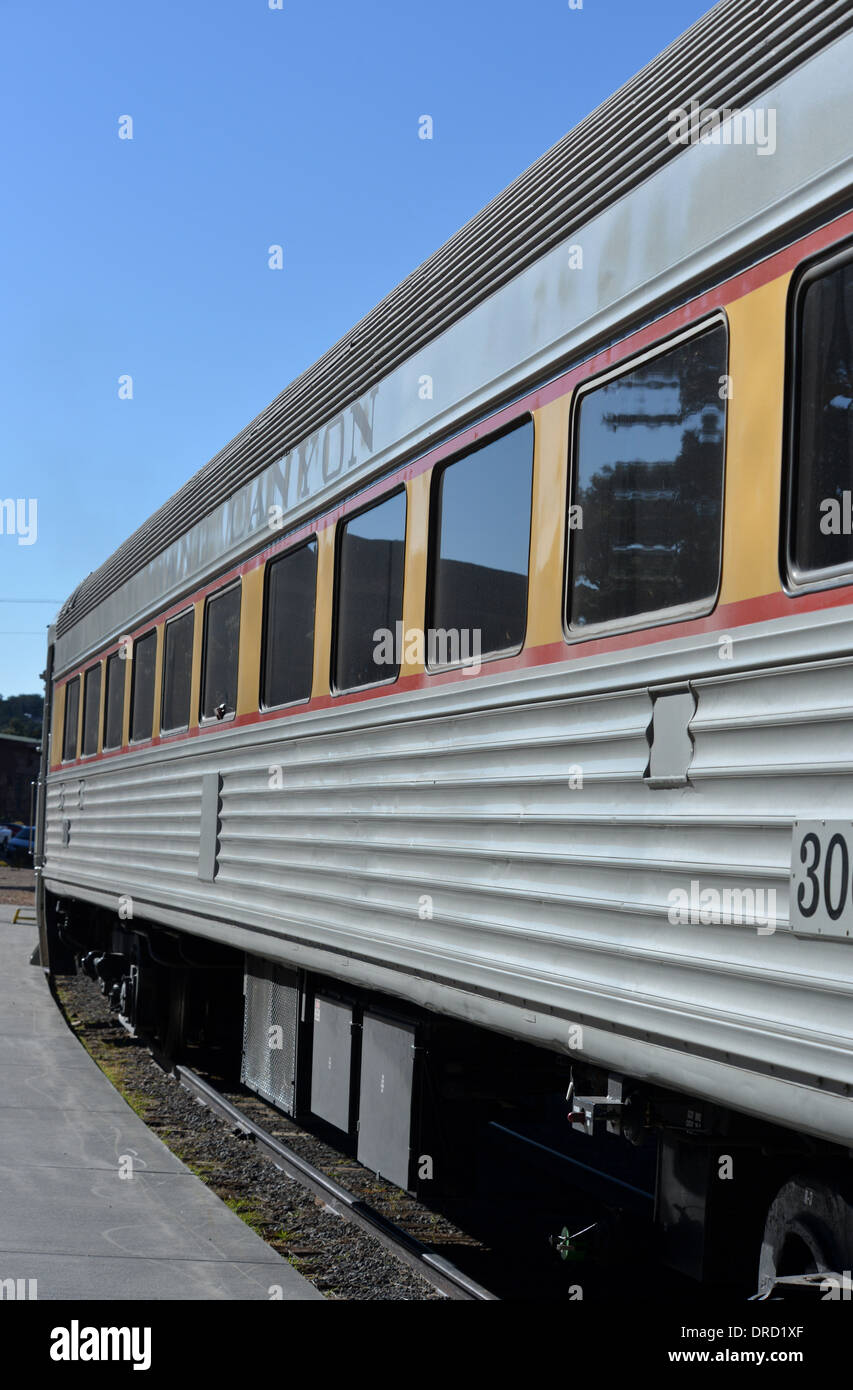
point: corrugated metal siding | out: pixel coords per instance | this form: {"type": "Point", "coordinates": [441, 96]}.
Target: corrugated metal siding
{"type": "Point", "coordinates": [727, 59]}
{"type": "Point", "coordinates": [550, 896]}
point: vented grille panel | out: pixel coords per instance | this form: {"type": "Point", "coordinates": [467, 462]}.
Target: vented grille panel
{"type": "Point", "coordinates": [270, 1021]}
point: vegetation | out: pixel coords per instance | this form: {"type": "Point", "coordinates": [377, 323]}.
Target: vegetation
{"type": "Point", "coordinates": [21, 714]}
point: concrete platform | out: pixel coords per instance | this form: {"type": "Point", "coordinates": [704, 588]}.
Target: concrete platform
{"type": "Point", "coordinates": [67, 1218]}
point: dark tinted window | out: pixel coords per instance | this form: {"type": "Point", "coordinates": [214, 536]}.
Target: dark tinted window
{"type": "Point", "coordinates": [369, 593]}
{"type": "Point", "coordinates": [144, 656]}
{"type": "Point", "coordinates": [72, 714]}
{"type": "Point", "coordinates": [481, 550]}
{"type": "Point", "coordinates": [821, 517]}
{"type": "Point", "coordinates": [177, 672]}
{"type": "Point", "coordinates": [114, 701]}
{"type": "Point", "coordinates": [648, 478]}
{"type": "Point", "coordinates": [91, 709]}
{"type": "Point", "coordinates": [221, 651]}
{"type": "Point", "coordinates": [291, 585]}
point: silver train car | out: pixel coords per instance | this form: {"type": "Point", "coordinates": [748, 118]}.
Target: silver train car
{"type": "Point", "coordinates": [487, 700]}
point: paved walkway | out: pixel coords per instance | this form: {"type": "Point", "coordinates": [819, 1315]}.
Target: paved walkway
{"type": "Point", "coordinates": [67, 1219]}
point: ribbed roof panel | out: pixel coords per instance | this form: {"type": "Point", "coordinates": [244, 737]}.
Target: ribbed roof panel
{"type": "Point", "coordinates": [727, 59]}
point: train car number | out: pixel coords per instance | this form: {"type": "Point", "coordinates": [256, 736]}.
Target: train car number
{"type": "Point", "coordinates": [821, 889]}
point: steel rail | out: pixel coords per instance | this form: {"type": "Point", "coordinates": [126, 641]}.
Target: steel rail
{"type": "Point", "coordinates": [434, 1268]}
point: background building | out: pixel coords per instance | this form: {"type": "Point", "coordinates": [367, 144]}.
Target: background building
{"type": "Point", "coordinates": [19, 761]}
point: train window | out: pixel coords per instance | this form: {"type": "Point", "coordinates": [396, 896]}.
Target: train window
{"type": "Point", "coordinates": [370, 594]}
{"type": "Point", "coordinates": [288, 644]}
{"type": "Point", "coordinates": [177, 673]}
{"type": "Point", "coordinates": [820, 536]}
{"type": "Point", "coordinates": [478, 592]}
{"type": "Point", "coordinates": [91, 709]}
{"type": "Point", "coordinates": [645, 521]}
{"type": "Point", "coordinates": [221, 654]}
{"type": "Point", "coordinates": [114, 701]}
{"type": "Point", "coordinates": [144, 657]}
{"type": "Point", "coordinates": [72, 719]}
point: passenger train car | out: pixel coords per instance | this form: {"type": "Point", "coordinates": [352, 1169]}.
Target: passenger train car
{"type": "Point", "coordinates": [485, 707]}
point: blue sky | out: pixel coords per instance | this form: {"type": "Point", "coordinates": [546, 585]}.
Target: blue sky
{"type": "Point", "coordinates": [148, 257]}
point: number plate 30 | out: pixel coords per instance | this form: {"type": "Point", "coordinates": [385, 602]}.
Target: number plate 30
{"type": "Point", "coordinates": [821, 899]}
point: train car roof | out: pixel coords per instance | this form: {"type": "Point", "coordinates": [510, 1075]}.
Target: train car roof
{"type": "Point", "coordinates": [729, 57]}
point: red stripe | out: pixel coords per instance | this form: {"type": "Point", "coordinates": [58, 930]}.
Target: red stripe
{"type": "Point", "coordinates": [740, 614]}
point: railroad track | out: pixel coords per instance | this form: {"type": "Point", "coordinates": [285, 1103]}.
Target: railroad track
{"type": "Point", "coordinates": [444, 1276]}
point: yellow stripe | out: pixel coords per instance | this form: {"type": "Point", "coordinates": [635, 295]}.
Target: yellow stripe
{"type": "Point", "coordinates": [323, 614]}
{"type": "Point", "coordinates": [159, 644]}
{"type": "Point", "coordinates": [548, 523]}
{"type": "Point", "coordinates": [78, 737]}
{"type": "Point", "coordinates": [58, 724]}
{"type": "Point", "coordinates": [127, 666]}
{"type": "Point", "coordinates": [415, 573]}
{"type": "Point", "coordinates": [195, 678]}
{"type": "Point", "coordinates": [101, 706]}
{"type": "Point", "coordinates": [251, 614]}
{"type": "Point", "coordinates": [754, 443]}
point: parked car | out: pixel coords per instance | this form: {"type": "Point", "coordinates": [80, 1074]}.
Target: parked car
{"type": "Point", "coordinates": [19, 848]}
{"type": "Point", "coordinates": [8, 830]}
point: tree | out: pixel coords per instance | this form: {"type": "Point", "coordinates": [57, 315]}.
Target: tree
{"type": "Point", "coordinates": [21, 715]}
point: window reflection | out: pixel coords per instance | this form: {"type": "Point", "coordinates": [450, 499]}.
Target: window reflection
{"type": "Point", "coordinates": [370, 592]}
{"type": "Point", "coordinates": [482, 545]}
{"type": "Point", "coordinates": [822, 517]}
{"type": "Point", "coordinates": [649, 459]}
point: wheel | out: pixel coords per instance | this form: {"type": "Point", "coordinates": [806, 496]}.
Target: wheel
{"type": "Point", "coordinates": [809, 1230]}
